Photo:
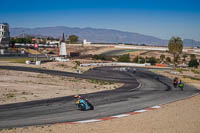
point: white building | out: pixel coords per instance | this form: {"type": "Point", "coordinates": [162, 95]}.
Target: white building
{"type": "Point", "coordinates": [85, 42]}
{"type": "Point", "coordinates": [4, 34]}
{"type": "Point", "coordinates": [52, 42]}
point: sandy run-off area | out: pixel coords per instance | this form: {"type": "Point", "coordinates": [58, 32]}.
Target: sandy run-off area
{"type": "Point", "coordinates": [19, 86]}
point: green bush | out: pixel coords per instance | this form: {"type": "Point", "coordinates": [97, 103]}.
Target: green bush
{"type": "Point", "coordinates": [124, 58]}
{"type": "Point", "coordinates": [193, 63]}
{"type": "Point", "coordinates": [168, 59]}
{"type": "Point", "coordinates": [99, 57]}
{"type": "Point", "coordinates": [152, 60]}
{"type": "Point", "coordinates": [138, 59]}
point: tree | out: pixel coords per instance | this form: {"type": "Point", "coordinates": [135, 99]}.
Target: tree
{"type": "Point", "coordinates": [152, 60]}
{"type": "Point", "coordinates": [162, 57]}
{"type": "Point", "coordinates": [141, 60]}
{"type": "Point", "coordinates": [24, 40]}
{"type": "Point", "coordinates": [168, 59]}
{"type": "Point", "coordinates": [138, 59]}
{"type": "Point", "coordinates": [175, 46]}
{"type": "Point", "coordinates": [177, 57]}
{"type": "Point", "coordinates": [193, 63]}
{"type": "Point", "coordinates": [73, 39]}
{"type": "Point", "coordinates": [12, 41]}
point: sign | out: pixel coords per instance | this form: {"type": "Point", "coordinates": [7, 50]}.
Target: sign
{"type": "Point", "coordinates": [35, 45]}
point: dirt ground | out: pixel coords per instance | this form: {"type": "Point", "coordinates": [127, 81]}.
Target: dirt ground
{"type": "Point", "coordinates": [186, 76]}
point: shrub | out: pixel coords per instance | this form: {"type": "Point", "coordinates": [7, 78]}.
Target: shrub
{"type": "Point", "coordinates": [77, 63]}
{"type": "Point", "coordinates": [193, 63]}
{"type": "Point", "coordinates": [152, 60]}
{"type": "Point", "coordinates": [195, 71]}
{"type": "Point", "coordinates": [124, 58]}
{"type": "Point", "coordinates": [168, 59]}
{"type": "Point", "coordinates": [192, 56]}
{"type": "Point", "coordinates": [138, 59]}
{"type": "Point", "coordinates": [99, 57]}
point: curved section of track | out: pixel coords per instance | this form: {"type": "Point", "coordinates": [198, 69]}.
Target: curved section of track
{"type": "Point", "coordinates": [127, 98]}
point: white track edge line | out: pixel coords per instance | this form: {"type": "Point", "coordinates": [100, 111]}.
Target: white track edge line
{"type": "Point", "coordinates": [121, 115]}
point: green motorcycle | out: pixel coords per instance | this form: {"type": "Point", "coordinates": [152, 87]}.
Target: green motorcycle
{"type": "Point", "coordinates": [181, 86]}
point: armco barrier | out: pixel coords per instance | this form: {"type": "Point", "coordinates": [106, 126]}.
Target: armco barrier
{"type": "Point", "coordinates": [113, 64]}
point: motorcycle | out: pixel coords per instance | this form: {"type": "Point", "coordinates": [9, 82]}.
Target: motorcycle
{"type": "Point", "coordinates": [181, 86]}
{"type": "Point", "coordinates": [175, 84]}
{"type": "Point", "coordinates": [84, 105]}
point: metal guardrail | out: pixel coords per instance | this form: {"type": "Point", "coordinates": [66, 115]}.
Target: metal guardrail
{"type": "Point", "coordinates": [113, 64]}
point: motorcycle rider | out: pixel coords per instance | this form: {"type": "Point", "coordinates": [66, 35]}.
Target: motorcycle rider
{"type": "Point", "coordinates": [78, 97]}
{"type": "Point", "coordinates": [175, 82]}
{"type": "Point", "coordinates": [181, 84]}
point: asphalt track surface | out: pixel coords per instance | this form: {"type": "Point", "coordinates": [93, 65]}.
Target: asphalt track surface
{"type": "Point", "coordinates": [113, 52]}
{"type": "Point", "coordinates": [140, 90]}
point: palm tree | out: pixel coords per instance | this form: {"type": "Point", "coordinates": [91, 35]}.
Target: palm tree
{"type": "Point", "coordinates": [175, 46]}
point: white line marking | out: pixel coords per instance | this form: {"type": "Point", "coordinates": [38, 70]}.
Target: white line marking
{"type": "Point", "coordinates": [122, 115]}
{"type": "Point", "coordinates": [140, 84]}
{"type": "Point", "coordinates": [88, 121]}
{"type": "Point", "coordinates": [155, 107]}
{"type": "Point", "coordinates": [140, 111]}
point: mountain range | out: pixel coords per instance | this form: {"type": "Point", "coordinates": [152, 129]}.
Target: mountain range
{"type": "Point", "coordinates": [97, 35]}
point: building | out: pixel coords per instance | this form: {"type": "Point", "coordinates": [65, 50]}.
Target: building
{"type": "Point", "coordinates": [4, 34]}
{"type": "Point", "coordinates": [85, 42]}
{"type": "Point", "coordinates": [52, 42]}
{"type": "Point", "coordinates": [37, 40]}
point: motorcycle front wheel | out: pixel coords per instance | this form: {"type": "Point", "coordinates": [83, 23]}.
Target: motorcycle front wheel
{"type": "Point", "coordinates": [82, 107]}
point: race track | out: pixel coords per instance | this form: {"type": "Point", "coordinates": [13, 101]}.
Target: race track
{"type": "Point", "coordinates": [141, 90]}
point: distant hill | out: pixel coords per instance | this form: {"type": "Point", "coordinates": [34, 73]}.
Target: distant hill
{"type": "Point", "coordinates": [190, 42]}
{"type": "Point", "coordinates": [96, 35]}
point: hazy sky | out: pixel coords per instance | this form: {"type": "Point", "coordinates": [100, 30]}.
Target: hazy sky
{"type": "Point", "coordinates": [160, 18]}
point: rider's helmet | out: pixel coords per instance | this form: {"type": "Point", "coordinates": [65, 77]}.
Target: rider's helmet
{"type": "Point", "coordinates": [81, 97]}
{"type": "Point", "coordinates": [76, 96]}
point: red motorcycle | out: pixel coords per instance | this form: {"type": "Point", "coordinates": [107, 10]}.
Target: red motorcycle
{"type": "Point", "coordinates": [175, 82]}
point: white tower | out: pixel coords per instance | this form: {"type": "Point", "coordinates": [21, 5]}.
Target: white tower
{"type": "Point", "coordinates": [63, 49]}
